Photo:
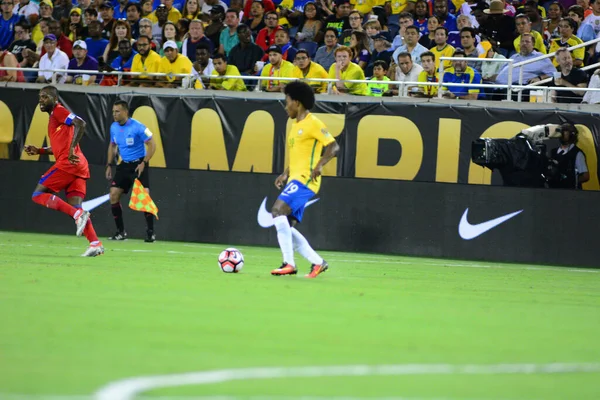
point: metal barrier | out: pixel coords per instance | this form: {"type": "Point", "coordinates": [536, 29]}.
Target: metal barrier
{"type": "Point", "coordinates": [188, 80]}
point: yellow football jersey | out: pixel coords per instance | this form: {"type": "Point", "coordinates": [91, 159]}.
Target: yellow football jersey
{"type": "Point", "coordinates": [305, 144]}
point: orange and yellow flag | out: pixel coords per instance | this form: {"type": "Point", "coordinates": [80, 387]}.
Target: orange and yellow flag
{"type": "Point", "coordinates": [141, 201]}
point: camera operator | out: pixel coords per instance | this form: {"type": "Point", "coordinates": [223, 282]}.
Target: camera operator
{"type": "Point", "coordinates": [568, 161]}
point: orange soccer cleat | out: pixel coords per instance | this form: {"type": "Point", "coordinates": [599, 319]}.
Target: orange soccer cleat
{"type": "Point", "coordinates": [316, 269]}
{"type": "Point", "coordinates": [285, 269]}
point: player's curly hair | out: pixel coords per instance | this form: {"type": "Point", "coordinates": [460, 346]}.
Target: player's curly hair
{"type": "Point", "coordinates": [301, 92]}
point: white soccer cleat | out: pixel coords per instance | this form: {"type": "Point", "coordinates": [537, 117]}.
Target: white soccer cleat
{"type": "Point", "coordinates": [94, 250]}
{"type": "Point", "coordinates": [82, 222]}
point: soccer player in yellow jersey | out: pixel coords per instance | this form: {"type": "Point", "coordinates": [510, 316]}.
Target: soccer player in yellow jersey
{"type": "Point", "coordinates": [307, 140]}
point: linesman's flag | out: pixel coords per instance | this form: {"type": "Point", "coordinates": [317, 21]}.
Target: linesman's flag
{"type": "Point", "coordinates": [141, 201]}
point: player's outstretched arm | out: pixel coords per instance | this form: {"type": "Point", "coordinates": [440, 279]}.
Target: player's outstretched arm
{"type": "Point", "coordinates": [331, 151]}
{"type": "Point", "coordinates": [79, 130]}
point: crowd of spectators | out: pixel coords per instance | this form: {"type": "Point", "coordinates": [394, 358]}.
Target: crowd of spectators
{"type": "Point", "coordinates": [200, 43]}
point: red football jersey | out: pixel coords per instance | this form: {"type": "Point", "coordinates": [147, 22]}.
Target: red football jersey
{"type": "Point", "coordinates": [60, 132]}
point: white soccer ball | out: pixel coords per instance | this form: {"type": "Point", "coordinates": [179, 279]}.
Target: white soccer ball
{"type": "Point", "coordinates": [231, 260]}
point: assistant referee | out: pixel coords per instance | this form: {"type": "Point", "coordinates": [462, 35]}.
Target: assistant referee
{"type": "Point", "coordinates": [130, 138]}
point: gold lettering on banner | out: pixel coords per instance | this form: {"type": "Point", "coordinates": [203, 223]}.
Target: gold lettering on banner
{"type": "Point", "coordinates": [37, 133]}
{"type": "Point", "coordinates": [7, 129]}
{"type": "Point", "coordinates": [147, 116]}
{"type": "Point", "coordinates": [207, 143]}
{"type": "Point", "coordinates": [255, 151]}
{"type": "Point", "coordinates": [448, 150]}
{"type": "Point", "coordinates": [335, 124]}
{"type": "Point", "coordinates": [501, 130]}
{"type": "Point", "coordinates": [586, 144]}
{"type": "Point", "coordinates": [370, 130]}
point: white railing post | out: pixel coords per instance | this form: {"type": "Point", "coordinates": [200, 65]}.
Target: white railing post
{"type": "Point", "coordinates": [510, 75]}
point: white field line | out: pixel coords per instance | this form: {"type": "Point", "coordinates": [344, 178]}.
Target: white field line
{"type": "Point", "coordinates": [11, 396]}
{"type": "Point", "coordinates": [127, 389]}
{"type": "Point", "coordinates": [364, 260]}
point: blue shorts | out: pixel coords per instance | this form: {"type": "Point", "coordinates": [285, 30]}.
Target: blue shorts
{"type": "Point", "coordinates": [296, 195]}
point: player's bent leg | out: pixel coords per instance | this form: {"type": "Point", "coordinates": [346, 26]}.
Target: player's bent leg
{"type": "Point", "coordinates": [302, 246]}
{"type": "Point", "coordinates": [42, 197]}
{"type": "Point", "coordinates": [280, 212]}
{"type": "Point", "coordinates": [84, 223]}
{"type": "Point", "coordinates": [117, 212]}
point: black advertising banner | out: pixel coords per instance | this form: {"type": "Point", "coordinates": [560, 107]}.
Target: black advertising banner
{"type": "Point", "coordinates": [397, 141]}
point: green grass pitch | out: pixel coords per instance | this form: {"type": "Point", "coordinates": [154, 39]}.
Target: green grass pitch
{"type": "Point", "coordinates": [70, 325]}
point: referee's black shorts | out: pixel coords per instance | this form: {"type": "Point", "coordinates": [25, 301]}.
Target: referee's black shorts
{"type": "Point", "coordinates": [126, 175]}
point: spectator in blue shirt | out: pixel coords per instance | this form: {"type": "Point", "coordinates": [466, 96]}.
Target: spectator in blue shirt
{"type": "Point", "coordinates": [81, 62]}
{"type": "Point", "coordinates": [460, 72]}
{"type": "Point", "coordinates": [440, 9]}
{"type": "Point", "coordinates": [7, 23]}
{"type": "Point", "coordinates": [95, 43]}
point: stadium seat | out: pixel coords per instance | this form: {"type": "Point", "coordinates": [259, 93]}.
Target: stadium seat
{"type": "Point", "coordinates": [311, 47]}
{"type": "Point", "coordinates": [6, 130]}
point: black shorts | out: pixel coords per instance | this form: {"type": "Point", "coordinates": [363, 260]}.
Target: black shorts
{"type": "Point", "coordinates": [126, 175]}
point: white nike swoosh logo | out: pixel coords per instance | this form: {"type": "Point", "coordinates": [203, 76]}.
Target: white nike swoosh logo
{"type": "Point", "coordinates": [265, 219]}
{"type": "Point", "coordinates": [93, 203]}
{"type": "Point", "coordinates": [468, 231]}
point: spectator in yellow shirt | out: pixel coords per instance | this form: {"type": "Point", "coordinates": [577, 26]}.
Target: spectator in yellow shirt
{"type": "Point", "coordinates": [147, 60]}
{"type": "Point", "coordinates": [224, 69]}
{"type": "Point", "coordinates": [173, 63]}
{"type": "Point", "coordinates": [442, 48]}
{"type": "Point", "coordinates": [310, 69]}
{"type": "Point", "coordinates": [173, 14]}
{"type": "Point", "coordinates": [344, 69]}
{"type": "Point", "coordinates": [430, 74]}
{"type": "Point", "coordinates": [279, 68]}
{"type": "Point", "coordinates": [523, 24]}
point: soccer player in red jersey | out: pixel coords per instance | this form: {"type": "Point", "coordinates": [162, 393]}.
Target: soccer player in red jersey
{"type": "Point", "coordinates": [70, 171]}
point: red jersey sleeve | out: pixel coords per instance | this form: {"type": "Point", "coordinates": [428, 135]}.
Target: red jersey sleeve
{"type": "Point", "coordinates": [63, 116]}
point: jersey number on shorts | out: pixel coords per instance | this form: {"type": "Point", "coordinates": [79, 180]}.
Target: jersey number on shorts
{"type": "Point", "coordinates": [290, 188]}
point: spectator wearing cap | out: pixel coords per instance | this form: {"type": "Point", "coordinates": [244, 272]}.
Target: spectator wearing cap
{"type": "Point", "coordinates": [268, 5]}
{"type": "Point", "coordinates": [245, 54]}
{"type": "Point", "coordinates": [7, 23]}
{"type": "Point", "coordinates": [53, 59]}
{"type": "Point", "coordinates": [96, 44]}
{"type": "Point", "coordinates": [344, 69]}
{"type": "Point", "coordinates": [207, 7]}
{"type": "Point", "coordinates": [266, 36]}
{"type": "Point", "coordinates": [339, 19]}
{"type": "Point", "coordinates": [499, 27]}
{"type": "Point", "coordinates": [46, 8]}
{"type": "Point", "coordinates": [278, 68]}
{"type": "Point", "coordinates": [173, 14]}
{"type": "Point", "coordinates": [203, 66]}
{"type": "Point", "coordinates": [310, 69]}
{"type": "Point", "coordinates": [161, 17]}
{"type": "Point", "coordinates": [63, 42]}
{"type": "Point", "coordinates": [107, 13]}
{"type": "Point", "coordinates": [28, 10]}
{"type": "Point", "coordinates": [382, 51]}
{"type": "Point", "coordinates": [81, 62]}
{"type": "Point", "coordinates": [223, 68]}
{"type": "Point", "coordinates": [216, 25]}
{"type": "Point", "coordinates": [120, 9]}
{"type": "Point", "coordinates": [173, 63]}
{"type": "Point", "coordinates": [194, 38]}
{"type": "Point", "coordinates": [325, 55]}
{"type": "Point", "coordinates": [411, 45]}
{"type": "Point", "coordinates": [8, 59]}
{"type": "Point", "coordinates": [122, 63]}
{"type": "Point", "coordinates": [146, 61]}
{"type": "Point", "coordinates": [75, 29]}
{"type": "Point", "coordinates": [134, 13]}
{"type": "Point", "coordinates": [460, 72]}
{"type": "Point", "coordinates": [229, 36]}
